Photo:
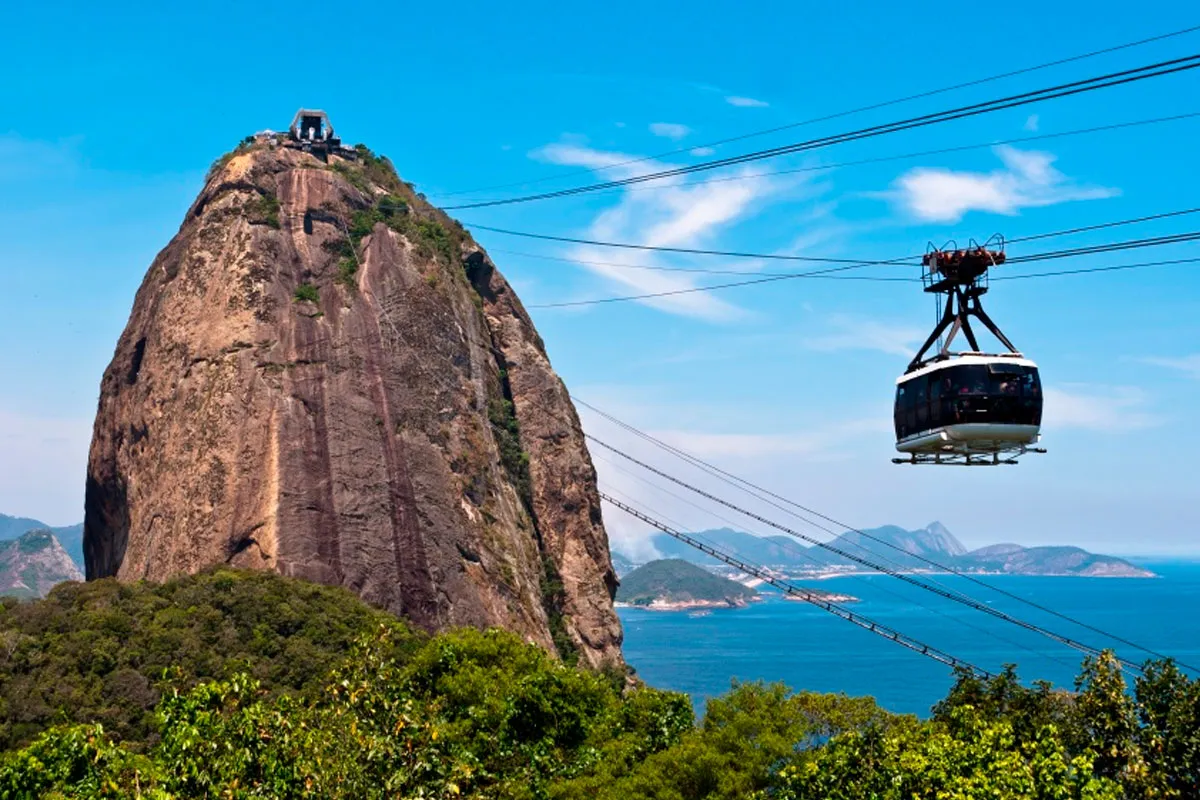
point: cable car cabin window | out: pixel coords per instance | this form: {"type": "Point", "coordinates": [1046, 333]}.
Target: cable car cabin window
{"type": "Point", "coordinates": [1008, 394]}
{"type": "Point", "coordinates": [921, 403]}
{"type": "Point", "coordinates": [900, 417]}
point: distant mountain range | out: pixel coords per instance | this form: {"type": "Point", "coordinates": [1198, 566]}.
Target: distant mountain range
{"type": "Point", "coordinates": [33, 563]}
{"type": "Point", "coordinates": [906, 550]}
{"type": "Point", "coordinates": [70, 537]}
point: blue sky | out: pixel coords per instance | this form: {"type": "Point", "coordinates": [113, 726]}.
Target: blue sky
{"type": "Point", "coordinates": [112, 114]}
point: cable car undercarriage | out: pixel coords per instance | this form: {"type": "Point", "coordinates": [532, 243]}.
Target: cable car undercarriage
{"type": "Point", "coordinates": [966, 408]}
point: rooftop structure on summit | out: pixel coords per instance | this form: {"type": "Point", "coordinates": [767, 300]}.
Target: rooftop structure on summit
{"type": "Point", "coordinates": [310, 131]}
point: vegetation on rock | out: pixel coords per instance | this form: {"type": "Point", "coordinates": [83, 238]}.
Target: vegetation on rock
{"type": "Point", "coordinates": [471, 714]}
{"type": "Point", "coordinates": [306, 293]}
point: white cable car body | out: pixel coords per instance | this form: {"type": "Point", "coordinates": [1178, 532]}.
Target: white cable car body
{"type": "Point", "coordinates": [967, 408]}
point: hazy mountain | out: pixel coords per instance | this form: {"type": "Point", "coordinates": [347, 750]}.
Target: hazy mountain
{"type": "Point", "coordinates": [33, 563]}
{"type": "Point", "coordinates": [621, 564]}
{"type": "Point", "coordinates": [69, 536]}
{"type": "Point", "coordinates": [675, 582]}
{"type": "Point", "coordinates": [895, 546]}
{"type": "Point", "coordinates": [759, 549]}
{"type": "Point", "coordinates": [1017, 560]}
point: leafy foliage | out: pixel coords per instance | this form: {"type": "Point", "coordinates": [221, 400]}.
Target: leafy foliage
{"type": "Point", "coordinates": [483, 715]}
{"type": "Point", "coordinates": [263, 210]}
{"type": "Point", "coordinates": [97, 652]}
{"type": "Point", "coordinates": [507, 433]}
{"type": "Point", "coordinates": [306, 293]}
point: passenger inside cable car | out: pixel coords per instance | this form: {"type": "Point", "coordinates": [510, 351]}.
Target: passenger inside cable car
{"type": "Point", "coordinates": [995, 393]}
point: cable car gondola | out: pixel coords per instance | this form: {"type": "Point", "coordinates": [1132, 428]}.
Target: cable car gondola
{"type": "Point", "coordinates": [966, 407]}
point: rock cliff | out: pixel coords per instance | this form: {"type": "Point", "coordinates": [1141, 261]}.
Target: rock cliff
{"type": "Point", "coordinates": [324, 376]}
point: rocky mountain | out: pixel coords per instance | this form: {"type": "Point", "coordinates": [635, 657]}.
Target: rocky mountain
{"type": "Point", "coordinates": [32, 564]}
{"type": "Point", "coordinates": [325, 376]}
{"type": "Point", "coordinates": [69, 536]}
{"type": "Point", "coordinates": [675, 583]}
{"type": "Point", "coordinates": [1017, 560]}
{"type": "Point", "coordinates": [901, 547]}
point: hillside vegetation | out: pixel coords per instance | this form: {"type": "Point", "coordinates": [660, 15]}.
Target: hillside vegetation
{"type": "Point", "coordinates": [672, 580]}
{"type": "Point", "coordinates": [472, 714]}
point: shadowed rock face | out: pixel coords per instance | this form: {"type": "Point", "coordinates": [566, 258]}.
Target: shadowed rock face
{"type": "Point", "coordinates": [402, 435]}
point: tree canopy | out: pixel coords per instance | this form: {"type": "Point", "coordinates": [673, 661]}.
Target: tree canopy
{"type": "Point", "coordinates": [377, 711]}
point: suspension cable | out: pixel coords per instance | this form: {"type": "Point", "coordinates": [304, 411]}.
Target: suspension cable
{"type": "Point", "coordinates": [766, 495]}
{"type": "Point", "coordinates": [809, 596]}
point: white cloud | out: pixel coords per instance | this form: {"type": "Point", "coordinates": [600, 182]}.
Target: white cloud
{"type": "Point", "coordinates": [702, 151]}
{"type": "Point", "coordinates": [670, 130]}
{"type": "Point", "coordinates": [856, 333]}
{"type": "Point", "coordinates": [746, 102]}
{"type": "Point", "coordinates": [1188, 365]}
{"type": "Point", "coordinates": [1098, 408]}
{"type": "Point", "coordinates": [1031, 123]}
{"type": "Point", "coordinates": [1028, 180]}
{"type": "Point", "coordinates": [674, 215]}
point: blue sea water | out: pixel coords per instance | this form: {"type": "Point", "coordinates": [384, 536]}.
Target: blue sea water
{"type": "Point", "coordinates": [807, 648]}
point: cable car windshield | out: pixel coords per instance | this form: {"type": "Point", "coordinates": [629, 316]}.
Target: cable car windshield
{"type": "Point", "coordinates": [999, 393]}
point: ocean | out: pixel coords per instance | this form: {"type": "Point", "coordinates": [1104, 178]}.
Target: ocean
{"type": "Point", "coordinates": [807, 648]}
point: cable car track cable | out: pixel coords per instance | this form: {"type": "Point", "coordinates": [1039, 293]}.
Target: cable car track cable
{"type": "Point", "coordinates": [948, 594]}
{"type": "Point", "coordinates": [840, 114]}
{"type": "Point", "coordinates": [795, 548]}
{"type": "Point", "coordinates": [804, 594]}
{"type": "Point", "coordinates": [758, 492]}
{"type": "Point", "coordinates": [1122, 77]}
{"type": "Point", "coordinates": [1049, 255]}
{"type": "Point", "coordinates": [903, 156]}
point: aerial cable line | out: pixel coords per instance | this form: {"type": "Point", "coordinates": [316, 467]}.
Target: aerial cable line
{"type": "Point", "coordinates": [904, 156]}
{"type": "Point", "coordinates": [1054, 254]}
{"type": "Point", "coordinates": [796, 549]}
{"type": "Point", "coordinates": [949, 594]}
{"type": "Point", "coordinates": [766, 576]}
{"type": "Point", "coordinates": [1102, 225]}
{"type": "Point", "coordinates": [694, 270]}
{"type": "Point", "coordinates": [687, 250]}
{"type": "Point", "coordinates": [849, 112]}
{"type": "Point", "coordinates": [784, 257]}
{"type": "Point", "coordinates": [1132, 244]}
{"type": "Point", "coordinates": [1088, 270]}
{"type": "Point", "coordinates": [818, 274]}
{"type": "Point", "coordinates": [1122, 77]}
{"type": "Point", "coordinates": [765, 496]}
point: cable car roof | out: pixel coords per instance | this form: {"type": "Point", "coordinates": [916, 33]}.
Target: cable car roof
{"type": "Point", "coordinates": [965, 359]}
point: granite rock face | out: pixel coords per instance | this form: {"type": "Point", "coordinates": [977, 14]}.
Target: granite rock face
{"type": "Point", "coordinates": [324, 376]}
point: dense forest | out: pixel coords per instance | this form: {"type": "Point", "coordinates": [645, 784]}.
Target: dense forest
{"type": "Point", "coordinates": [248, 685]}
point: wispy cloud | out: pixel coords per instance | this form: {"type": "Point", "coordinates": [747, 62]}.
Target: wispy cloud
{"type": "Point", "coordinates": [1099, 408]}
{"type": "Point", "coordinates": [1031, 122]}
{"type": "Point", "coordinates": [674, 215]}
{"type": "Point", "coordinates": [702, 151]}
{"type": "Point", "coordinates": [1028, 180]}
{"type": "Point", "coordinates": [1188, 365]}
{"type": "Point", "coordinates": [858, 333]}
{"type": "Point", "coordinates": [669, 130]}
{"type": "Point", "coordinates": [746, 102]}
